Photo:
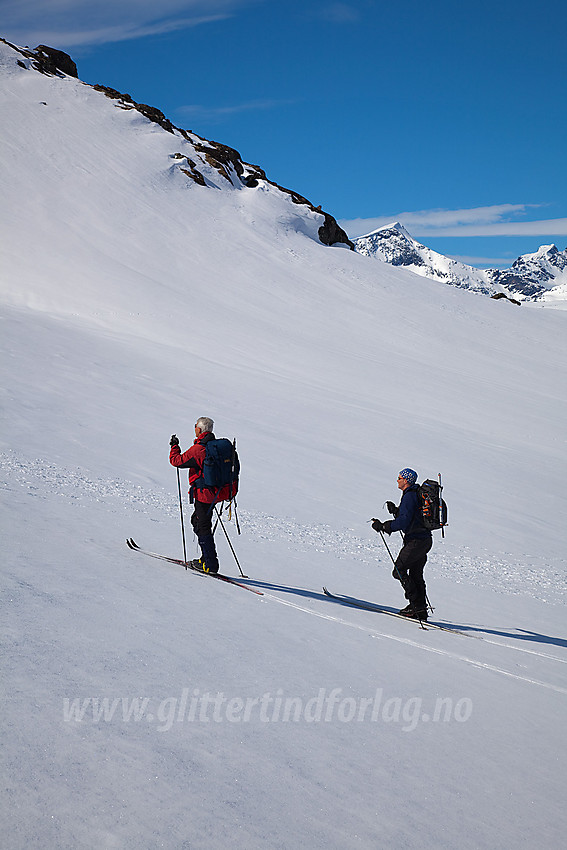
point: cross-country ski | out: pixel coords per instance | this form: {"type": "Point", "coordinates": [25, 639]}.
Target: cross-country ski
{"type": "Point", "coordinates": [379, 609]}
{"type": "Point", "coordinates": [188, 566]}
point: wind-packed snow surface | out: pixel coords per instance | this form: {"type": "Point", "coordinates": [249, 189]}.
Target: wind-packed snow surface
{"type": "Point", "coordinates": [146, 706]}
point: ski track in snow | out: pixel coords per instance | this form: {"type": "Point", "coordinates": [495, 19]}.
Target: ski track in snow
{"type": "Point", "coordinates": [546, 582]}
{"type": "Point", "coordinates": [43, 479]}
{"type": "Point", "coordinates": [447, 653]}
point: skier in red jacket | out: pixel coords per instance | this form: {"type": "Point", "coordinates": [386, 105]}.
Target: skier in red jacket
{"type": "Point", "coordinates": [203, 498]}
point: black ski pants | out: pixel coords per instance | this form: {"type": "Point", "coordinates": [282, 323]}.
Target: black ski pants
{"type": "Point", "coordinates": [409, 570]}
{"type": "Point", "coordinates": [202, 518]}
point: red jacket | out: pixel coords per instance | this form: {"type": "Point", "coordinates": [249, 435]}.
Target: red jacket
{"type": "Point", "coordinates": [193, 460]}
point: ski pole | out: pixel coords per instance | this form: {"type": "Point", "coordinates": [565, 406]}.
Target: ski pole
{"type": "Point", "coordinates": [236, 517]}
{"type": "Point", "coordinates": [391, 557]}
{"type": "Point", "coordinates": [181, 513]}
{"type": "Point", "coordinates": [441, 507]}
{"type": "Point", "coordinates": [217, 519]}
{"type": "Point", "coordinates": [229, 543]}
{"type": "Point", "coordinates": [229, 516]}
{"type": "Point", "coordinates": [232, 494]}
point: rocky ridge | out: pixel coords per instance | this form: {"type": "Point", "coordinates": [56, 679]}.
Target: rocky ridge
{"type": "Point", "coordinates": [224, 159]}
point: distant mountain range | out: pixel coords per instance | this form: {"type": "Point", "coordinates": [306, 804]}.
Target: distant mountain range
{"type": "Point", "coordinates": [532, 277]}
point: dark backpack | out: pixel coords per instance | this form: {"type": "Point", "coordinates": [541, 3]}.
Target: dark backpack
{"type": "Point", "coordinates": [433, 507]}
{"type": "Point", "coordinates": [220, 467]}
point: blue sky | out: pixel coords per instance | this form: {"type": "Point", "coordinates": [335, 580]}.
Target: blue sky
{"type": "Point", "coordinates": [449, 116]}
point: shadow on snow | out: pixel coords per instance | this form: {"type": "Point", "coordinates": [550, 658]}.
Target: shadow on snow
{"type": "Point", "coordinates": [350, 602]}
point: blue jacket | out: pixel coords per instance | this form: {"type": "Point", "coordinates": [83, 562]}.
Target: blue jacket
{"type": "Point", "coordinates": [409, 518]}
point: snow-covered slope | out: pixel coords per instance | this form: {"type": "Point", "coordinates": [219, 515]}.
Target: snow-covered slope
{"type": "Point", "coordinates": [134, 299]}
{"type": "Point", "coordinates": [539, 277]}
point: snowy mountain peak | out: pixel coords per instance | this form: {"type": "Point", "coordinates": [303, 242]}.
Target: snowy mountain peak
{"type": "Point", "coordinates": [393, 226]}
{"type": "Point", "coordinates": [541, 276]}
{"type": "Point", "coordinates": [394, 245]}
{"type": "Point", "coordinates": [544, 251]}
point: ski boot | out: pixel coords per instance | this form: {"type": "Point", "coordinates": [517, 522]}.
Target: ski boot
{"type": "Point", "coordinates": [209, 559]}
{"type": "Point", "coordinates": [414, 613]}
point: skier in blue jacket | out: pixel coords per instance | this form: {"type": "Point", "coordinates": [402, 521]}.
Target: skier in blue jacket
{"type": "Point", "coordinates": [409, 564]}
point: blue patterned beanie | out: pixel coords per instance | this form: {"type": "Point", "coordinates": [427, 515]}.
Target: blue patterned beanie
{"type": "Point", "coordinates": [409, 474]}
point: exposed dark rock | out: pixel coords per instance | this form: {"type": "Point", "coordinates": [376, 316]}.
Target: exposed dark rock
{"type": "Point", "coordinates": [150, 112]}
{"type": "Point", "coordinates": [113, 94]}
{"type": "Point", "coordinates": [190, 168]}
{"type": "Point", "coordinates": [156, 116]}
{"type": "Point", "coordinates": [221, 156]}
{"type": "Point", "coordinates": [500, 295]}
{"type": "Point", "coordinates": [46, 60]}
{"type": "Point", "coordinates": [252, 175]}
{"type": "Point", "coordinates": [330, 233]}
{"type": "Point", "coordinates": [50, 61]}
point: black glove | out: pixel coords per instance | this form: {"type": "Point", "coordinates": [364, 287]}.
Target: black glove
{"type": "Point", "coordinates": [174, 441]}
{"type": "Point", "coordinates": [392, 508]}
{"type": "Point", "coordinates": [377, 525]}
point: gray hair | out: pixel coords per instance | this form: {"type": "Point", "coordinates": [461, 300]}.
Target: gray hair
{"type": "Point", "coordinates": [204, 423]}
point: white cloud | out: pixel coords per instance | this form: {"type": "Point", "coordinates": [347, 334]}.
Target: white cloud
{"type": "Point", "coordinates": [339, 13]}
{"type": "Point", "coordinates": [480, 262]}
{"type": "Point", "coordinates": [68, 23]}
{"type": "Point", "coordinates": [218, 113]}
{"type": "Point", "coordinates": [496, 220]}
{"type": "Point", "coordinates": [541, 227]}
